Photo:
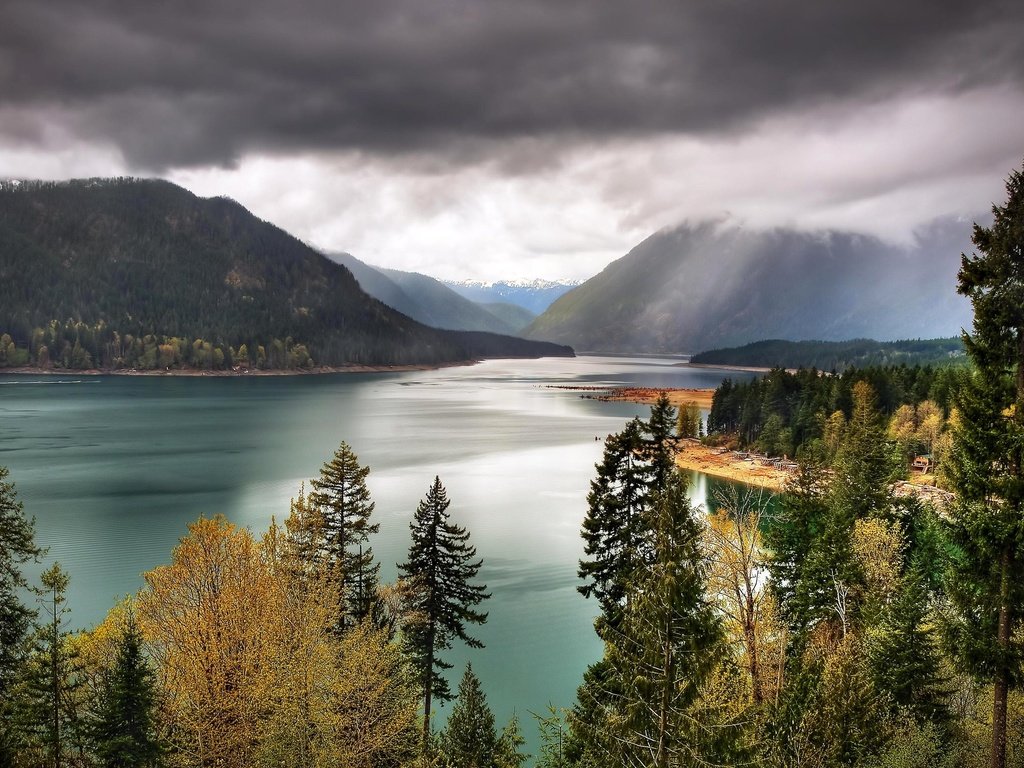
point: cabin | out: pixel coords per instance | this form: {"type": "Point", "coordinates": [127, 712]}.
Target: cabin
{"type": "Point", "coordinates": [921, 464]}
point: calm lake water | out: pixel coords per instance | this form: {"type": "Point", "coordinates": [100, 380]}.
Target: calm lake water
{"type": "Point", "coordinates": [113, 468]}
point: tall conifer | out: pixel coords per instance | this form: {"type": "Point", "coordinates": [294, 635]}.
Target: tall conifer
{"type": "Point", "coordinates": [987, 466]}
{"type": "Point", "coordinates": [342, 501]}
{"type": "Point", "coordinates": [441, 568]}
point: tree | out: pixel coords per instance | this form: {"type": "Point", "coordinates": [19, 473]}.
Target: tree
{"type": "Point", "coordinates": [988, 461]}
{"type": "Point", "coordinates": [667, 645]}
{"type": "Point", "coordinates": [17, 547]}
{"type": "Point", "coordinates": [613, 528]}
{"type": "Point", "coordinates": [50, 715]}
{"type": "Point", "coordinates": [441, 566]}
{"type": "Point", "coordinates": [469, 740]}
{"type": "Point", "coordinates": [637, 463]}
{"type": "Point", "coordinates": [124, 731]}
{"type": "Point", "coordinates": [212, 621]}
{"type": "Point", "coordinates": [343, 502]}
{"type": "Point", "coordinates": [737, 582]}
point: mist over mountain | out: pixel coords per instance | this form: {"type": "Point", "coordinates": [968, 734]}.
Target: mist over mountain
{"type": "Point", "coordinates": [145, 257]}
{"type": "Point", "coordinates": [533, 295]}
{"type": "Point", "coordinates": [698, 287]}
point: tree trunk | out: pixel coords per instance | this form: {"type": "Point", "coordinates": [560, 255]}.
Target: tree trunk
{"type": "Point", "coordinates": [1001, 682]}
{"type": "Point", "coordinates": [428, 691]}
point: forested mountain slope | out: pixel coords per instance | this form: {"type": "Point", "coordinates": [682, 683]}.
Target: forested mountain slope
{"type": "Point", "coordinates": [92, 262]}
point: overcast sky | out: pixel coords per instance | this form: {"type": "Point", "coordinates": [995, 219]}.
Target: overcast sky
{"type": "Point", "coordinates": [520, 139]}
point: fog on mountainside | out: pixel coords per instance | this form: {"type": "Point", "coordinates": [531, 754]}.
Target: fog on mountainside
{"type": "Point", "coordinates": [698, 287]}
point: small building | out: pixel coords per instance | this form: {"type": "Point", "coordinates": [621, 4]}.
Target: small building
{"type": "Point", "coordinates": [921, 464]}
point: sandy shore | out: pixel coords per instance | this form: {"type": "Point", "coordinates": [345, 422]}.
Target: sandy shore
{"type": "Point", "coordinates": [729, 466]}
{"type": "Point", "coordinates": [645, 395]}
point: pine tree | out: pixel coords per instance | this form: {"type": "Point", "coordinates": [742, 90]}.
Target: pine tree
{"type": "Point", "coordinates": [343, 504]}
{"type": "Point", "coordinates": [667, 646]}
{"type": "Point", "coordinates": [441, 567]}
{"type": "Point", "coordinates": [17, 547]}
{"type": "Point", "coordinates": [124, 731]}
{"type": "Point", "coordinates": [904, 654]}
{"type": "Point", "coordinates": [469, 739]}
{"type": "Point", "coordinates": [613, 528]}
{"type": "Point", "coordinates": [48, 707]}
{"type": "Point", "coordinates": [987, 465]}
{"type": "Point", "coordinates": [507, 750]}
{"type": "Point", "coordinates": [636, 465]}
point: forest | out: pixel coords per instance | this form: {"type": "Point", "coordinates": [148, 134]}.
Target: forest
{"type": "Point", "coordinates": [837, 624]}
{"type": "Point", "coordinates": [131, 273]}
{"type": "Point", "coordinates": [838, 355]}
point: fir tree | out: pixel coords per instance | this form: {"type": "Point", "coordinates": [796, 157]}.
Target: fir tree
{"type": "Point", "coordinates": [987, 466]}
{"type": "Point", "coordinates": [667, 646]}
{"type": "Point", "coordinates": [507, 750]}
{"type": "Point", "coordinates": [124, 731]}
{"type": "Point", "coordinates": [904, 654]}
{"type": "Point", "coordinates": [469, 740]}
{"type": "Point", "coordinates": [17, 547]}
{"type": "Point", "coordinates": [441, 568]}
{"type": "Point", "coordinates": [48, 709]}
{"type": "Point", "coordinates": [613, 528]}
{"type": "Point", "coordinates": [343, 506]}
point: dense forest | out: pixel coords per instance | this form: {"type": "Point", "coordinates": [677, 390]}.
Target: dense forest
{"type": "Point", "coordinates": [804, 414]}
{"type": "Point", "coordinates": [142, 274]}
{"type": "Point", "coordinates": [838, 355]}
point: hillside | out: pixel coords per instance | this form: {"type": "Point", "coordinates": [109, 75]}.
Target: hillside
{"type": "Point", "coordinates": [532, 295]}
{"type": "Point", "coordinates": [838, 355]}
{"type": "Point", "coordinates": [446, 308]}
{"type": "Point", "coordinates": [701, 287]}
{"type": "Point", "coordinates": [90, 263]}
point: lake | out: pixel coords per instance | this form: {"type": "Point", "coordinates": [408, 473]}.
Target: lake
{"type": "Point", "coordinates": [114, 467]}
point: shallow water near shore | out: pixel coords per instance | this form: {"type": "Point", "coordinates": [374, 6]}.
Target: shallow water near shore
{"type": "Point", "coordinates": [113, 468]}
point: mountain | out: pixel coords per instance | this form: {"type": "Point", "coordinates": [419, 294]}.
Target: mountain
{"type": "Point", "coordinates": [445, 307]}
{"type": "Point", "coordinates": [431, 302]}
{"type": "Point", "coordinates": [90, 263]}
{"type": "Point", "coordinates": [533, 295]}
{"type": "Point", "coordinates": [698, 287]}
{"type": "Point", "coordinates": [513, 315]}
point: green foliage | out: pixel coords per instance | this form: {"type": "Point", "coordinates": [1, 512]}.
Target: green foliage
{"type": "Point", "coordinates": [124, 730]}
{"type": "Point", "coordinates": [50, 720]}
{"type": "Point", "coordinates": [838, 355]}
{"type": "Point", "coordinates": [988, 462]}
{"type": "Point", "coordinates": [341, 509]}
{"type": "Point", "coordinates": [441, 568]}
{"type": "Point", "coordinates": [469, 739]}
{"type": "Point", "coordinates": [666, 646]}
{"type": "Point", "coordinates": [794, 413]}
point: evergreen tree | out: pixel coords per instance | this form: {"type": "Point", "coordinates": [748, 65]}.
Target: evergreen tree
{"type": "Point", "coordinates": [124, 731]}
{"type": "Point", "coordinates": [507, 752]}
{"type": "Point", "coordinates": [48, 708]}
{"type": "Point", "coordinates": [17, 547]}
{"type": "Point", "coordinates": [469, 740]}
{"type": "Point", "coordinates": [343, 504]}
{"type": "Point", "coordinates": [667, 646]}
{"type": "Point", "coordinates": [636, 465]}
{"type": "Point", "coordinates": [904, 654]}
{"type": "Point", "coordinates": [613, 528]}
{"type": "Point", "coordinates": [441, 567]}
{"type": "Point", "coordinates": [987, 466]}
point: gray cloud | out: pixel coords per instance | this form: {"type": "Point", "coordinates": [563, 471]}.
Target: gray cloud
{"type": "Point", "coordinates": [188, 83]}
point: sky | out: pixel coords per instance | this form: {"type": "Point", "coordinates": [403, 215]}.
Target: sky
{"type": "Point", "coordinates": [526, 138]}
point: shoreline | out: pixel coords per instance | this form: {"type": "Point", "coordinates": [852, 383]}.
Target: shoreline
{"type": "Point", "coordinates": [677, 396]}
{"type": "Point", "coordinates": [233, 373]}
{"type": "Point", "coordinates": [729, 465]}
{"type": "Point", "coordinates": [738, 368]}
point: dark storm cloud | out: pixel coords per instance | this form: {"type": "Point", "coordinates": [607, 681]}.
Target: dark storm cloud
{"type": "Point", "coordinates": [194, 82]}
